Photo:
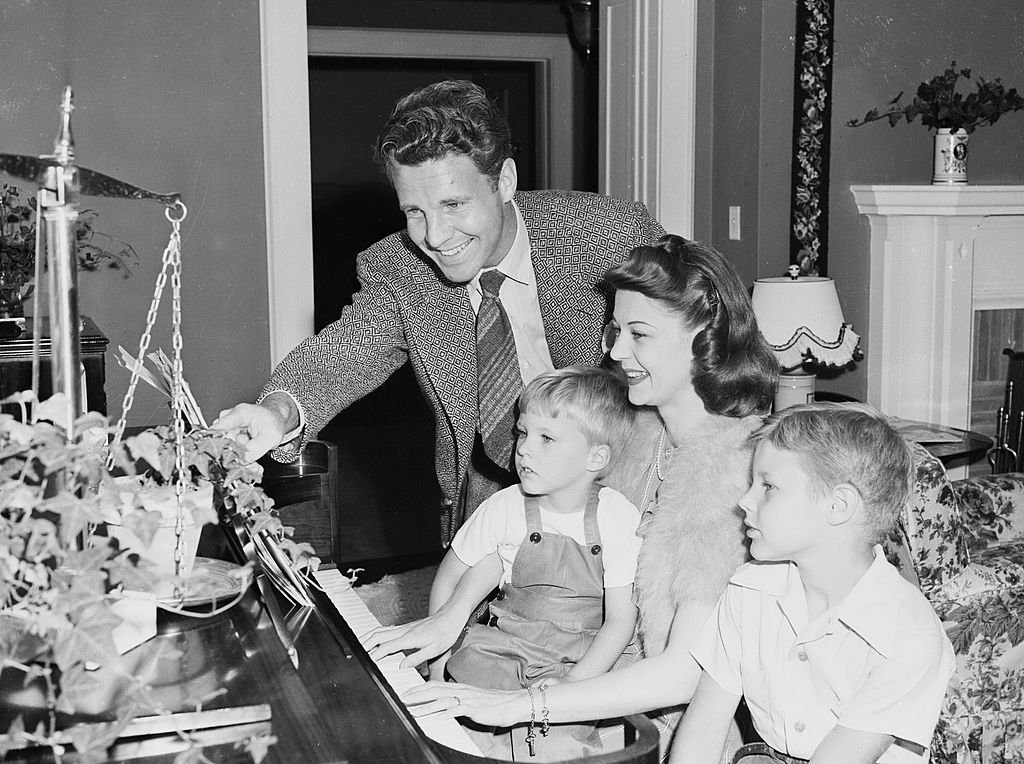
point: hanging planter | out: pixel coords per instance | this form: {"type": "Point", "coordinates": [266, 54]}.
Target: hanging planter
{"type": "Point", "coordinates": [950, 163]}
{"type": "Point", "coordinates": [147, 525]}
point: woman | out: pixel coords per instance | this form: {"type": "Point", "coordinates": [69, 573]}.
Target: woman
{"type": "Point", "coordinates": [684, 335]}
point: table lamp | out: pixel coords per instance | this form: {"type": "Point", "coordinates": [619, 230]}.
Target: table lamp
{"type": "Point", "coordinates": [803, 323]}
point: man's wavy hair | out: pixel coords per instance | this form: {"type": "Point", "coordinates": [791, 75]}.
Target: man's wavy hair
{"type": "Point", "coordinates": [449, 117]}
{"type": "Point", "coordinates": [734, 370]}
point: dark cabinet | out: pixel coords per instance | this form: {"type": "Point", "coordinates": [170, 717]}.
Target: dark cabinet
{"type": "Point", "coordinates": [16, 363]}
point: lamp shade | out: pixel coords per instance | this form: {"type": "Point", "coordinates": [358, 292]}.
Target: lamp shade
{"type": "Point", "coordinates": [801, 320]}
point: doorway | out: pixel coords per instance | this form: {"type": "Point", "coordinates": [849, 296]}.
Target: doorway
{"type": "Point", "coordinates": [390, 499]}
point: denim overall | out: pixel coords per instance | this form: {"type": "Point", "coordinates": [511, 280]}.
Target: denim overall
{"type": "Point", "coordinates": [542, 622]}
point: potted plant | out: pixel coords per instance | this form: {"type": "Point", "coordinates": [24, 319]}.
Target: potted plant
{"type": "Point", "coordinates": [93, 249]}
{"type": "Point", "coordinates": [63, 575]}
{"type": "Point", "coordinates": [951, 113]}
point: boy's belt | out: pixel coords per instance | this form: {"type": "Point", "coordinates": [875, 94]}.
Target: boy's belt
{"type": "Point", "coordinates": [762, 753]}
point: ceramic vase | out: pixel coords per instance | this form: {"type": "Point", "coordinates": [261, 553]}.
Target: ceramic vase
{"type": "Point", "coordinates": [950, 163]}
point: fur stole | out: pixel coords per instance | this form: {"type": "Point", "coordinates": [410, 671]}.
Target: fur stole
{"type": "Point", "coordinates": [695, 539]}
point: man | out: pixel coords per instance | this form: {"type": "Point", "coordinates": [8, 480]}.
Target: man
{"type": "Point", "coordinates": [447, 151]}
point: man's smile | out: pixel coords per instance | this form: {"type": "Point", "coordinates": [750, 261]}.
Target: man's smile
{"type": "Point", "coordinates": [449, 253]}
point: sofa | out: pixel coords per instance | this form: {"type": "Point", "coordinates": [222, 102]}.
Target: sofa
{"type": "Point", "coordinates": [962, 542]}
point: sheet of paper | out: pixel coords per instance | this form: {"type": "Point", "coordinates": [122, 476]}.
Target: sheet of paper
{"type": "Point", "coordinates": [923, 432]}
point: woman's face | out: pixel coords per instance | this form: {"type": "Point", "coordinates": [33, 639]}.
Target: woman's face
{"type": "Point", "coordinates": [654, 348]}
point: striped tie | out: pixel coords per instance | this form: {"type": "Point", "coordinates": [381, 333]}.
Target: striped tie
{"type": "Point", "coordinates": [498, 378]}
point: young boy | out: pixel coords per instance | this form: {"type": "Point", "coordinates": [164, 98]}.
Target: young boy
{"type": "Point", "coordinates": [838, 656]}
{"type": "Point", "coordinates": [563, 549]}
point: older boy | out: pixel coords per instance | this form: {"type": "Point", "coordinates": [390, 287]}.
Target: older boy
{"type": "Point", "coordinates": [563, 549]}
{"type": "Point", "coordinates": [839, 657]}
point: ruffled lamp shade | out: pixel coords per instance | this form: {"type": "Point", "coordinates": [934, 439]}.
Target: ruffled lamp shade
{"type": "Point", "coordinates": [802, 321]}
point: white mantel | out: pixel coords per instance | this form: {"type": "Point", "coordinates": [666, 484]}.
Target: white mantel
{"type": "Point", "coordinates": [937, 254]}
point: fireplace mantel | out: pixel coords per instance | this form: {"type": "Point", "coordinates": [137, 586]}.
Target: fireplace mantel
{"type": "Point", "coordinates": [937, 254]}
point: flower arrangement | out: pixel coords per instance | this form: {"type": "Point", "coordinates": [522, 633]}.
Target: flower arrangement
{"type": "Point", "coordinates": [61, 573]}
{"type": "Point", "coordinates": [93, 249]}
{"type": "Point", "coordinates": [940, 106]}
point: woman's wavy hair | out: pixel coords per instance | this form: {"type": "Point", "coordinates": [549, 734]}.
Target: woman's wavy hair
{"type": "Point", "coordinates": [449, 117]}
{"type": "Point", "coordinates": [734, 370]}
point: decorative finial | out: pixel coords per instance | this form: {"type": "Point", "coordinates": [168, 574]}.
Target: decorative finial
{"type": "Point", "coordinates": [793, 271]}
{"type": "Point", "coordinates": [64, 145]}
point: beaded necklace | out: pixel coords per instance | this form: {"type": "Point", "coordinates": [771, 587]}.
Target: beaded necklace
{"type": "Point", "coordinates": [655, 470]}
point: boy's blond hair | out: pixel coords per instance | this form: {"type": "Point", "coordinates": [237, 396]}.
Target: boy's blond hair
{"type": "Point", "coordinates": [593, 398]}
{"type": "Point", "coordinates": [847, 443]}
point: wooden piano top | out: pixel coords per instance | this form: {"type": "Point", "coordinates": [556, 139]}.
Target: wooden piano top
{"type": "Point", "coordinates": [336, 706]}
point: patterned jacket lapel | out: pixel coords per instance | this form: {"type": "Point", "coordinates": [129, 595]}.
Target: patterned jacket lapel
{"type": "Point", "coordinates": [441, 341]}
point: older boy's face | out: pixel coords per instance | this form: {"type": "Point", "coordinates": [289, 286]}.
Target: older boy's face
{"type": "Point", "coordinates": [784, 515]}
{"type": "Point", "coordinates": [553, 457]}
{"type": "Point", "coordinates": [455, 215]}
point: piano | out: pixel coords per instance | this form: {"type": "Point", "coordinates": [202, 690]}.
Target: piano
{"type": "Point", "coordinates": [338, 705]}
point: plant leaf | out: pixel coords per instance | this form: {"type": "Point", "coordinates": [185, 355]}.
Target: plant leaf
{"type": "Point", "coordinates": [143, 524]}
{"type": "Point", "coordinates": [146, 445]}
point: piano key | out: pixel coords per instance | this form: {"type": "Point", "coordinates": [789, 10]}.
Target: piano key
{"type": "Point", "coordinates": [444, 730]}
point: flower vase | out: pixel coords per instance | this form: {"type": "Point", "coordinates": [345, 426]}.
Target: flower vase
{"type": "Point", "coordinates": [950, 162]}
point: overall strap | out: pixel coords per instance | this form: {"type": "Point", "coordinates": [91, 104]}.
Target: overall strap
{"type": "Point", "coordinates": [533, 521]}
{"type": "Point", "coordinates": [591, 531]}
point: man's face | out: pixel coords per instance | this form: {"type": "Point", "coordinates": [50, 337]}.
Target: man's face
{"type": "Point", "coordinates": [455, 214]}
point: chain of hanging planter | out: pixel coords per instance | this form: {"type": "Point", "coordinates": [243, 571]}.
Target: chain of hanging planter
{"type": "Point", "coordinates": [171, 264]}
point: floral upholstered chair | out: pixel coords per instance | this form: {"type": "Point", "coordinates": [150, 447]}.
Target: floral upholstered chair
{"type": "Point", "coordinates": [966, 548]}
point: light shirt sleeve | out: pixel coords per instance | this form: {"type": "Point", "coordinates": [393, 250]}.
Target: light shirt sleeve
{"type": "Point", "coordinates": [717, 647]}
{"type": "Point", "coordinates": [618, 519]}
{"type": "Point", "coordinates": [493, 525]}
{"type": "Point", "coordinates": [292, 434]}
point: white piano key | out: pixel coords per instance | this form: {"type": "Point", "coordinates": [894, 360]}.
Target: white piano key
{"type": "Point", "coordinates": [444, 730]}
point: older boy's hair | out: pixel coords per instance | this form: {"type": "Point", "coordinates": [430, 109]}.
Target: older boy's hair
{"type": "Point", "coordinates": [595, 399]}
{"type": "Point", "coordinates": [848, 443]}
{"type": "Point", "coordinates": [449, 117]}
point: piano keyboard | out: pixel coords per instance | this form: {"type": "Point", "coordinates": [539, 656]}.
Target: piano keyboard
{"type": "Point", "coordinates": [444, 730]}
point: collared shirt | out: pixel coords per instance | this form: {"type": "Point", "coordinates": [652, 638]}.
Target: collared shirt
{"type": "Point", "coordinates": [519, 297]}
{"type": "Point", "coordinates": [879, 661]}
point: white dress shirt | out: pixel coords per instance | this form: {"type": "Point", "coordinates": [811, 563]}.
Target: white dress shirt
{"type": "Point", "coordinates": [519, 297]}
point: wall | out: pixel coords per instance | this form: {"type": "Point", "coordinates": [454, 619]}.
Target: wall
{"type": "Point", "coordinates": [881, 48]}
{"type": "Point", "coordinates": [509, 16]}
{"type": "Point", "coordinates": [168, 98]}
{"type": "Point", "coordinates": [744, 140]}
{"type": "Point", "coordinates": [734, 136]}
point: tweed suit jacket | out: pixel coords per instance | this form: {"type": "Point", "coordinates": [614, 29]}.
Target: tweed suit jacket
{"type": "Point", "coordinates": [406, 311]}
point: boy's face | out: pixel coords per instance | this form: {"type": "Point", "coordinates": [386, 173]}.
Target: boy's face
{"type": "Point", "coordinates": [455, 215]}
{"type": "Point", "coordinates": [553, 456]}
{"type": "Point", "coordinates": [783, 513]}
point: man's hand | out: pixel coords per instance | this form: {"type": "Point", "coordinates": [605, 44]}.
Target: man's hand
{"type": "Point", "coordinates": [260, 427]}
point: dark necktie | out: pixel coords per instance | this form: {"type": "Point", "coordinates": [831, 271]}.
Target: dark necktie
{"type": "Point", "coordinates": [498, 379]}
